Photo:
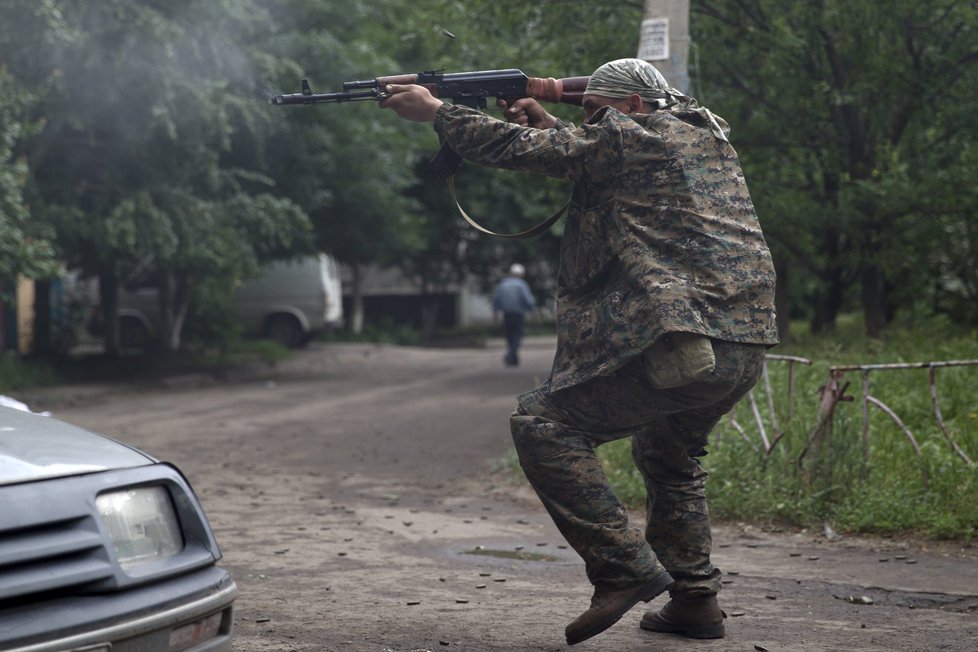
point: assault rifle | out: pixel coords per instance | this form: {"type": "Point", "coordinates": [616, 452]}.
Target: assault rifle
{"type": "Point", "coordinates": [468, 88]}
{"type": "Point", "coordinates": [471, 89]}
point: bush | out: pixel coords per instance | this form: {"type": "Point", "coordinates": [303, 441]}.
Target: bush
{"type": "Point", "coordinates": [19, 373]}
{"type": "Point", "coordinates": [384, 331]}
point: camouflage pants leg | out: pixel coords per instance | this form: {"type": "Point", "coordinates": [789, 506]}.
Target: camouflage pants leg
{"type": "Point", "coordinates": [555, 434]}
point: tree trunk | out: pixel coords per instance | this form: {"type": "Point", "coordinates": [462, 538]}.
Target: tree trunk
{"type": "Point", "coordinates": [174, 304]}
{"type": "Point", "coordinates": [874, 299]}
{"type": "Point", "coordinates": [829, 298]}
{"type": "Point", "coordinates": [429, 316]}
{"type": "Point", "coordinates": [108, 289]}
{"type": "Point", "coordinates": [356, 319]}
{"type": "Point", "coordinates": [828, 305]}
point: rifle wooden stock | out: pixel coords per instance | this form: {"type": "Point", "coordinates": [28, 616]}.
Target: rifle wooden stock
{"type": "Point", "coordinates": [568, 90]}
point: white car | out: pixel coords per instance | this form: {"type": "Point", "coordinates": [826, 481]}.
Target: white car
{"type": "Point", "coordinates": [102, 547]}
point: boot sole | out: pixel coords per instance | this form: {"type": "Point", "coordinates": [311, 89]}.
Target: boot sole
{"type": "Point", "coordinates": [653, 624]}
{"type": "Point", "coordinates": [649, 591]}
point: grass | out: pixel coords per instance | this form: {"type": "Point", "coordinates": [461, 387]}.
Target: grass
{"type": "Point", "coordinates": [248, 350]}
{"type": "Point", "coordinates": [384, 331]}
{"type": "Point", "coordinates": [18, 373]}
{"type": "Point", "coordinates": [877, 486]}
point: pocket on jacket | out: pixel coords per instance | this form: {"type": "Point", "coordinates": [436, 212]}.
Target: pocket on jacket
{"type": "Point", "coordinates": [678, 359]}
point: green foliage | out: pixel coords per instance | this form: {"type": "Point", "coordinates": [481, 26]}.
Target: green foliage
{"type": "Point", "coordinates": [346, 165]}
{"type": "Point", "coordinates": [624, 477]}
{"type": "Point", "coordinates": [20, 253]}
{"type": "Point", "coordinates": [884, 489]}
{"type": "Point", "coordinates": [383, 331]}
{"type": "Point", "coordinates": [848, 119]}
{"type": "Point", "coordinates": [148, 149]}
{"type": "Point", "coordinates": [508, 467]}
{"type": "Point", "coordinates": [240, 351]}
{"type": "Point", "coordinates": [211, 320]}
{"type": "Point", "coordinates": [18, 373]}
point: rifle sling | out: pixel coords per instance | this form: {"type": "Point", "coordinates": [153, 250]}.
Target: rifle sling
{"type": "Point", "coordinates": [537, 230]}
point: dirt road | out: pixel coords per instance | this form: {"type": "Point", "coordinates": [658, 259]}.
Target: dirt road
{"type": "Point", "coordinates": [353, 494]}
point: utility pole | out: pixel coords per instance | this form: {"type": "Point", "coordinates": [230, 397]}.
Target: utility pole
{"type": "Point", "coordinates": [664, 40]}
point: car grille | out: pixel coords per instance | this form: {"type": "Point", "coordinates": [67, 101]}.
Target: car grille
{"type": "Point", "coordinates": [51, 556]}
{"type": "Point", "coordinates": [52, 540]}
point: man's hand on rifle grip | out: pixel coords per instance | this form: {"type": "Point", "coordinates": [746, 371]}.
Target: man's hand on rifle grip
{"type": "Point", "coordinates": [527, 112]}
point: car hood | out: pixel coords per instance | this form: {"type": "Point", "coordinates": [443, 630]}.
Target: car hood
{"type": "Point", "coordinates": [34, 447]}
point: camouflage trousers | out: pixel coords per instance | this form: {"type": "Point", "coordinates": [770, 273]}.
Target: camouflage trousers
{"type": "Point", "coordinates": [555, 434]}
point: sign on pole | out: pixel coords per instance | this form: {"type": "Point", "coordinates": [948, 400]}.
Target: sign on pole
{"type": "Point", "coordinates": [653, 43]}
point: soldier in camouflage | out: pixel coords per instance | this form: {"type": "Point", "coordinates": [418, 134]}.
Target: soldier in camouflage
{"type": "Point", "coordinates": [665, 307]}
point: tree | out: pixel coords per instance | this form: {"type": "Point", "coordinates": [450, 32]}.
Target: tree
{"type": "Point", "coordinates": [145, 140]}
{"type": "Point", "coordinates": [346, 165]}
{"type": "Point", "coordinates": [844, 111]}
{"type": "Point", "coordinates": [21, 252]}
{"type": "Point", "coordinates": [361, 174]}
{"type": "Point", "coordinates": [23, 248]}
{"type": "Point", "coordinates": [849, 116]}
{"type": "Point", "coordinates": [451, 36]}
{"type": "Point", "coordinates": [142, 104]}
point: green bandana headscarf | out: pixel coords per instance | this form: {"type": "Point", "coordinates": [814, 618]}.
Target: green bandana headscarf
{"type": "Point", "coordinates": [619, 79]}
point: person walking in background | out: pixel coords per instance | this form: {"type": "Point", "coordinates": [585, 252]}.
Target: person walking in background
{"type": "Point", "coordinates": [513, 299]}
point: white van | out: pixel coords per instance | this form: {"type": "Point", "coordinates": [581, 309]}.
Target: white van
{"type": "Point", "coordinates": [290, 302]}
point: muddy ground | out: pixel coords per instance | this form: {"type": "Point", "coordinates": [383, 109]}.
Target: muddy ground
{"type": "Point", "coordinates": [356, 495]}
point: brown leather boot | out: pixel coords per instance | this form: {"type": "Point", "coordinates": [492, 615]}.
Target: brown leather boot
{"type": "Point", "coordinates": [607, 607]}
{"type": "Point", "coordinates": [694, 617]}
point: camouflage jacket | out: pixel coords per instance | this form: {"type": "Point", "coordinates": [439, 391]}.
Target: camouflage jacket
{"type": "Point", "coordinates": [661, 234]}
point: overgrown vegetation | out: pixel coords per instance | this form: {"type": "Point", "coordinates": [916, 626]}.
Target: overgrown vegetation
{"type": "Point", "coordinates": [18, 373]}
{"type": "Point", "coordinates": [384, 331]}
{"type": "Point", "coordinates": [885, 488]}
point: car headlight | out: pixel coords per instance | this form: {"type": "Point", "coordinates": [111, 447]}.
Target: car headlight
{"type": "Point", "coordinates": [141, 523]}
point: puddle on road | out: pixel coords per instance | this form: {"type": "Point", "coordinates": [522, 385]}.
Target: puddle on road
{"type": "Point", "coordinates": [510, 554]}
